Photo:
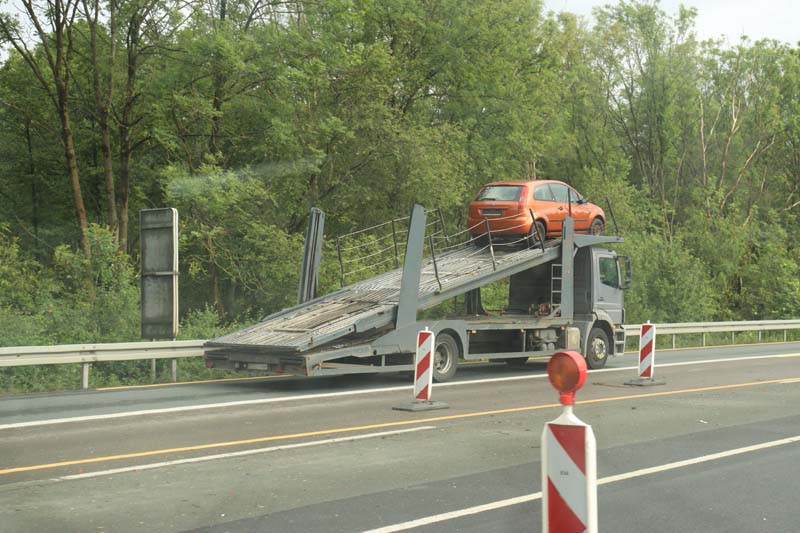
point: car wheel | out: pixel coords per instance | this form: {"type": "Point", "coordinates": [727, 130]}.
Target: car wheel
{"type": "Point", "coordinates": [597, 227]}
{"type": "Point", "coordinates": [445, 357]}
{"type": "Point", "coordinates": [597, 348]}
{"type": "Point", "coordinates": [536, 232]}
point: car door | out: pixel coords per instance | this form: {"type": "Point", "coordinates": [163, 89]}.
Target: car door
{"type": "Point", "coordinates": [581, 213]}
{"type": "Point", "coordinates": [544, 206]}
{"type": "Point", "coordinates": [561, 195]}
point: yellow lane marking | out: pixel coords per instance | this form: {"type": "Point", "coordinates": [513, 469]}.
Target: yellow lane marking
{"type": "Point", "coordinates": [322, 432]}
{"type": "Point", "coordinates": [151, 385]}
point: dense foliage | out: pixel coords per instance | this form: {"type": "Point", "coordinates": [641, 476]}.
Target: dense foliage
{"type": "Point", "coordinates": [243, 115]}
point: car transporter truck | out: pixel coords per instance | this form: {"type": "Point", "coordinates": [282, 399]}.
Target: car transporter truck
{"type": "Point", "coordinates": [563, 294]}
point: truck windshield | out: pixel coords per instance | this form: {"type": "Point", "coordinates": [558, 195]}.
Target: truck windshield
{"type": "Point", "coordinates": [506, 193]}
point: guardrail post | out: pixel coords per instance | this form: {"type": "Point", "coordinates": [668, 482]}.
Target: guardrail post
{"type": "Point", "coordinates": [152, 370]}
{"type": "Point", "coordinates": [174, 370]}
{"type": "Point", "coordinates": [759, 335]}
{"type": "Point", "coordinates": [84, 375]}
{"type": "Point", "coordinates": [784, 335]}
{"type": "Point", "coordinates": [673, 341]}
{"type": "Point", "coordinates": [704, 339]}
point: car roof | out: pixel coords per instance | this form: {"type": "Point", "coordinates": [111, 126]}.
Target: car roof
{"type": "Point", "coordinates": [525, 182]}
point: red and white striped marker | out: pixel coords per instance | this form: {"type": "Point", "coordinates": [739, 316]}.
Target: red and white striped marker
{"type": "Point", "coordinates": [423, 375]}
{"type": "Point", "coordinates": [569, 449]}
{"type": "Point", "coordinates": [423, 362]}
{"type": "Point", "coordinates": [647, 351]}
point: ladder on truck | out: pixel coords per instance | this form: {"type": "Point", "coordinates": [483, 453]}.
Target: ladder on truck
{"type": "Point", "coordinates": [556, 277]}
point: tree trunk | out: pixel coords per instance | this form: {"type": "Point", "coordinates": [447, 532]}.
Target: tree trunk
{"type": "Point", "coordinates": [125, 142]}
{"type": "Point", "coordinates": [102, 98]}
{"type": "Point", "coordinates": [75, 181]}
{"type": "Point", "coordinates": [219, 83]}
{"type": "Point", "coordinates": [34, 191]}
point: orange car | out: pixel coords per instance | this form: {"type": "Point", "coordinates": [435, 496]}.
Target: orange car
{"type": "Point", "coordinates": [507, 206]}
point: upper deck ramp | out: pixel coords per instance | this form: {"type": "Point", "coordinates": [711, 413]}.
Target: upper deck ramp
{"type": "Point", "coordinates": [372, 304]}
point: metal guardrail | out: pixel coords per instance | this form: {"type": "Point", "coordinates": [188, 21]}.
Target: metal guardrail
{"type": "Point", "coordinates": [86, 354]}
{"type": "Point", "coordinates": [94, 353]}
{"type": "Point", "coordinates": [683, 328]}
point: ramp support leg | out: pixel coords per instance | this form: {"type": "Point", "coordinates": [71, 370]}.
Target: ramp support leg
{"type": "Point", "coordinates": [412, 266]}
{"type": "Point", "coordinates": [567, 268]}
{"type": "Point", "coordinates": [312, 251]}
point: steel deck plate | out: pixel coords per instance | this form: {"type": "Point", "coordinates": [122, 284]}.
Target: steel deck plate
{"type": "Point", "coordinates": [374, 301]}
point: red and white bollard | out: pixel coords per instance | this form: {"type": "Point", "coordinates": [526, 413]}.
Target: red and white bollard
{"type": "Point", "coordinates": [569, 451]}
{"type": "Point", "coordinates": [423, 375]}
{"type": "Point", "coordinates": [423, 366]}
{"type": "Point", "coordinates": [647, 357]}
{"type": "Point", "coordinates": [647, 351]}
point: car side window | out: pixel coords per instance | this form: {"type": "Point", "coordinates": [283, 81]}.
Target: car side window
{"type": "Point", "coordinates": [543, 192]}
{"type": "Point", "coordinates": [560, 192]}
{"type": "Point", "coordinates": [574, 196]}
{"type": "Point", "coordinates": [609, 274]}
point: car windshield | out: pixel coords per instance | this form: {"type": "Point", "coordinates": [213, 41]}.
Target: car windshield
{"type": "Point", "coordinates": [508, 193]}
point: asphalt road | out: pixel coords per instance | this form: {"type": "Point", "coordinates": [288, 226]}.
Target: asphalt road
{"type": "Point", "coordinates": [331, 455]}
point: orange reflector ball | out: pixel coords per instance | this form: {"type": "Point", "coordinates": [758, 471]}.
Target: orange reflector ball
{"type": "Point", "coordinates": [567, 373]}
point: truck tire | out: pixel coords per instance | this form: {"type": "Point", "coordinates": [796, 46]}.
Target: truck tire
{"type": "Point", "coordinates": [597, 348]}
{"type": "Point", "coordinates": [597, 227]}
{"type": "Point", "coordinates": [445, 357]}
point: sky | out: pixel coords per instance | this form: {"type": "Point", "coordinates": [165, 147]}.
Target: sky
{"type": "Point", "coordinates": [758, 19]}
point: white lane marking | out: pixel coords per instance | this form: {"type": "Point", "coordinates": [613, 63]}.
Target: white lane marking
{"type": "Point", "coordinates": [240, 453]}
{"type": "Point", "coordinates": [186, 408]}
{"type": "Point", "coordinates": [434, 519]}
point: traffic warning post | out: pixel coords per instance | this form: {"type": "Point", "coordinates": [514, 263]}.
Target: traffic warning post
{"type": "Point", "coordinates": [423, 375]}
{"type": "Point", "coordinates": [569, 450]}
{"type": "Point", "coordinates": [647, 357]}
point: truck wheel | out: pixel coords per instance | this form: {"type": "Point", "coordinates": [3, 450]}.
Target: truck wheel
{"type": "Point", "coordinates": [445, 357]}
{"type": "Point", "coordinates": [597, 348]}
{"type": "Point", "coordinates": [597, 227]}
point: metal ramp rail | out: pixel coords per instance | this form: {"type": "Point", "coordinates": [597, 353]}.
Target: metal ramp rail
{"type": "Point", "coordinates": [390, 299]}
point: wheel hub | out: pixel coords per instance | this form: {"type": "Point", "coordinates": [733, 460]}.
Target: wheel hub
{"type": "Point", "coordinates": [442, 359]}
{"type": "Point", "coordinates": [599, 348]}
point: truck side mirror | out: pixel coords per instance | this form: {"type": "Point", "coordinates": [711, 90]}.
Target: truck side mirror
{"type": "Point", "coordinates": [625, 279]}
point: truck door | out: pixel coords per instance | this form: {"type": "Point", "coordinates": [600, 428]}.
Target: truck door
{"type": "Point", "coordinates": [607, 292]}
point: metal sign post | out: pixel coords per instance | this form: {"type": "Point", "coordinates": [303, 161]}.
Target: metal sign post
{"type": "Point", "coordinates": [158, 233]}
